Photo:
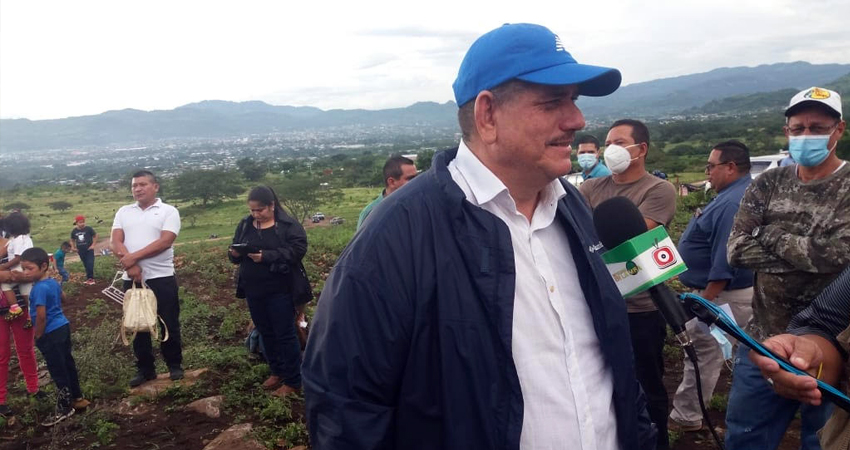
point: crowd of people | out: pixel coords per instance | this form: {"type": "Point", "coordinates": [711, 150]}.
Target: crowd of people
{"type": "Point", "coordinates": [472, 308]}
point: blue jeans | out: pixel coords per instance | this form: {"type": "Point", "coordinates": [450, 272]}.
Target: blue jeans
{"type": "Point", "coordinates": [87, 258]}
{"type": "Point", "coordinates": [55, 347]}
{"type": "Point", "coordinates": [63, 273]}
{"type": "Point", "coordinates": [757, 418]}
{"type": "Point", "coordinates": [274, 317]}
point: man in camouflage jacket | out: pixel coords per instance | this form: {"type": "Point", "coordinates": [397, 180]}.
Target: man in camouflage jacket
{"type": "Point", "coordinates": [793, 230]}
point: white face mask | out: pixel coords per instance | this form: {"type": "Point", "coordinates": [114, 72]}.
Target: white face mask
{"type": "Point", "coordinates": [617, 158]}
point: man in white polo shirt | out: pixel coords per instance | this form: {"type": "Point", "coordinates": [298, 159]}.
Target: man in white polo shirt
{"type": "Point", "coordinates": [142, 238]}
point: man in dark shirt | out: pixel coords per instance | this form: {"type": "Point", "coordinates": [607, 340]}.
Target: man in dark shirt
{"type": "Point", "coordinates": [703, 248]}
{"type": "Point", "coordinates": [82, 241]}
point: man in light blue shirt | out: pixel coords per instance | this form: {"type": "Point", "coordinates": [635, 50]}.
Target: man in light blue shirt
{"type": "Point", "coordinates": [588, 158]}
{"type": "Point", "coordinates": [398, 170]}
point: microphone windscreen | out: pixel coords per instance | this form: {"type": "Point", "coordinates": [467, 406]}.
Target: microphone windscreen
{"type": "Point", "coordinates": [617, 220]}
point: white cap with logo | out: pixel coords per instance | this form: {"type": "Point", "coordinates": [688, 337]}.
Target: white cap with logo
{"type": "Point", "coordinates": [815, 94]}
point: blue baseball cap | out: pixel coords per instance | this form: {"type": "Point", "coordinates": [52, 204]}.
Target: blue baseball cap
{"type": "Point", "coordinates": [530, 53]}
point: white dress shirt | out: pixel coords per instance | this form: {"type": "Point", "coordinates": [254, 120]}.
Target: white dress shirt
{"type": "Point", "coordinates": [567, 388]}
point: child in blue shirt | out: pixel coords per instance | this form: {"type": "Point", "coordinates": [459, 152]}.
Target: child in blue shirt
{"type": "Point", "coordinates": [52, 334]}
{"type": "Point", "coordinates": [59, 260]}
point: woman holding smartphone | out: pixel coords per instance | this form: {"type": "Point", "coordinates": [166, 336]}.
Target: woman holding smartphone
{"type": "Point", "coordinates": [268, 246]}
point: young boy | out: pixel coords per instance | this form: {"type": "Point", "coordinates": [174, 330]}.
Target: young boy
{"type": "Point", "coordinates": [52, 334]}
{"type": "Point", "coordinates": [83, 238]}
{"type": "Point", "coordinates": [59, 260]}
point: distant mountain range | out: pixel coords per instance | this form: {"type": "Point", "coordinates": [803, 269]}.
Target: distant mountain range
{"type": "Point", "coordinates": [674, 96]}
{"type": "Point", "coordinates": [736, 90]}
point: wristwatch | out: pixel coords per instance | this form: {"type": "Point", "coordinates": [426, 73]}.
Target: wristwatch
{"type": "Point", "coordinates": [756, 231]}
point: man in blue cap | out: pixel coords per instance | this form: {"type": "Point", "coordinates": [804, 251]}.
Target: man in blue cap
{"type": "Point", "coordinates": [475, 311]}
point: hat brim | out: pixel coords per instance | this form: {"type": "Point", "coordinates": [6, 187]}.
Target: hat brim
{"type": "Point", "coordinates": [791, 110]}
{"type": "Point", "coordinates": [592, 81]}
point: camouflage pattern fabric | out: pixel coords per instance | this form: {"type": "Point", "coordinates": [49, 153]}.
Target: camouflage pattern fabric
{"type": "Point", "coordinates": [803, 242]}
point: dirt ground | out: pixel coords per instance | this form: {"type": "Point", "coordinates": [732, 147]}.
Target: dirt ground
{"type": "Point", "coordinates": [703, 440]}
{"type": "Point", "coordinates": [164, 427]}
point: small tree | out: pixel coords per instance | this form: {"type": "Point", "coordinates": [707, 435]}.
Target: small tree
{"type": "Point", "coordinates": [17, 206]}
{"type": "Point", "coordinates": [60, 206]}
{"type": "Point", "coordinates": [206, 185]}
{"type": "Point", "coordinates": [251, 170]}
{"type": "Point", "coordinates": [423, 160]}
{"type": "Point", "coordinates": [302, 195]}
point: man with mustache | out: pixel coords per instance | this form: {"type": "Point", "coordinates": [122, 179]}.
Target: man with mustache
{"type": "Point", "coordinates": [474, 311]}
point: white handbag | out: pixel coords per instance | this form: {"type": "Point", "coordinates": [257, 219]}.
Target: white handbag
{"type": "Point", "coordinates": [140, 314]}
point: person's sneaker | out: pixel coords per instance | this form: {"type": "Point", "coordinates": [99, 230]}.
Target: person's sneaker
{"type": "Point", "coordinates": [175, 373]}
{"type": "Point", "coordinates": [5, 411]}
{"type": "Point", "coordinates": [673, 425]}
{"type": "Point", "coordinates": [141, 377]}
{"type": "Point", "coordinates": [272, 383]}
{"type": "Point", "coordinates": [53, 419]}
{"type": "Point", "coordinates": [90, 281]}
{"type": "Point", "coordinates": [81, 403]}
{"type": "Point", "coordinates": [38, 396]}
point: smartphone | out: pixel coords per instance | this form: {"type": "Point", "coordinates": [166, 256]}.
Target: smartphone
{"type": "Point", "coordinates": [244, 249]}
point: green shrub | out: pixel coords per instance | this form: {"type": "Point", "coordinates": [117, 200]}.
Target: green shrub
{"type": "Point", "coordinates": [104, 364]}
{"type": "Point", "coordinates": [105, 431]}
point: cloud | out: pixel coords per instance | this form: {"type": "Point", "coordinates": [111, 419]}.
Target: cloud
{"type": "Point", "coordinates": [85, 58]}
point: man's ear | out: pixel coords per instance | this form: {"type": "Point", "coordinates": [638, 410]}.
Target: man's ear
{"type": "Point", "coordinates": [644, 149]}
{"type": "Point", "coordinates": [485, 122]}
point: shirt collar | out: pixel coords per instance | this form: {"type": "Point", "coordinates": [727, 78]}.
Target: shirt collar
{"type": "Point", "coordinates": [740, 183]}
{"type": "Point", "coordinates": [486, 186]}
{"type": "Point", "coordinates": [156, 204]}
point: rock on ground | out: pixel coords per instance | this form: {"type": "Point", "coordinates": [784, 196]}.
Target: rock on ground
{"type": "Point", "coordinates": [233, 438]}
{"type": "Point", "coordinates": [152, 388]}
{"type": "Point", "coordinates": [210, 406]}
{"type": "Point", "coordinates": [127, 408]}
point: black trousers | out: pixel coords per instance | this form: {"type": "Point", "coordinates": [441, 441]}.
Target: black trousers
{"type": "Point", "coordinates": [55, 347]}
{"type": "Point", "coordinates": [87, 258]}
{"type": "Point", "coordinates": [168, 307]}
{"type": "Point", "coordinates": [648, 331]}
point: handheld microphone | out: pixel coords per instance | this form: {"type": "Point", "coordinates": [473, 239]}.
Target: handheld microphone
{"type": "Point", "coordinates": [641, 260]}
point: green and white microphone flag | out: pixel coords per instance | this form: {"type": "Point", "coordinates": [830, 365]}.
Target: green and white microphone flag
{"type": "Point", "coordinates": [644, 261]}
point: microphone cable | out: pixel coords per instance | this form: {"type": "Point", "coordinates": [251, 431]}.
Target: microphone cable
{"type": "Point", "coordinates": [710, 313]}
{"type": "Point", "coordinates": [692, 355]}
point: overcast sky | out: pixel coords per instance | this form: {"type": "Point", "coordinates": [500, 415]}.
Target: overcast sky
{"type": "Point", "coordinates": [71, 58]}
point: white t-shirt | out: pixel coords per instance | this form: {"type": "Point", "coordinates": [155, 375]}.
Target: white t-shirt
{"type": "Point", "coordinates": [143, 226]}
{"type": "Point", "coordinates": [567, 388]}
{"type": "Point", "coordinates": [16, 246]}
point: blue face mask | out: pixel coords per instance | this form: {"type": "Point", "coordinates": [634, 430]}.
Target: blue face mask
{"type": "Point", "coordinates": [809, 151]}
{"type": "Point", "coordinates": [725, 345]}
{"type": "Point", "coordinates": [587, 161]}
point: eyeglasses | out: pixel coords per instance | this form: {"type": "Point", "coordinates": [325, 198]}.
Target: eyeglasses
{"type": "Point", "coordinates": [814, 129]}
{"type": "Point", "coordinates": [710, 166]}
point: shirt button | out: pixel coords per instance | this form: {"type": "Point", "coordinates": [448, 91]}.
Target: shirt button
{"type": "Point", "coordinates": [551, 288]}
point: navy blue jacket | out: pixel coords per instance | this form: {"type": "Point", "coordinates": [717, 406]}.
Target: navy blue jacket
{"type": "Point", "coordinates": [410, 346]}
